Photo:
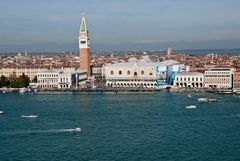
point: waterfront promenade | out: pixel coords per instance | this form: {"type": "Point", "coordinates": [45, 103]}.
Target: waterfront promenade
{"type": "Point", "coordinates": [124, 90]}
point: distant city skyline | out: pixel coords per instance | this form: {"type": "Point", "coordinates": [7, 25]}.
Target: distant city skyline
{"type": "Point", "coordinates": [115, 25]}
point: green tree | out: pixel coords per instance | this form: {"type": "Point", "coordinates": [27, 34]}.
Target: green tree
{"type": "Point", "coordinates": [4, 82]}
{"type": "Point", "coordinates": [19, 82]}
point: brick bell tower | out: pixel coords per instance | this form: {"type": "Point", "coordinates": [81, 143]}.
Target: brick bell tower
{"type": "Point", "coordinates": [84, 47]}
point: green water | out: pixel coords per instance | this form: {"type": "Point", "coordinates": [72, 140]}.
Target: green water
{"type": "Point", "coordinates": [119, 127]}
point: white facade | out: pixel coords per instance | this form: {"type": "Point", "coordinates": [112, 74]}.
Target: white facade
{"type": "Point", "coordinates": [57, 79]}
{"type": "Point", "coordinates": [31, 72]}
{"type": "Point", "coordinates": [48, 79]}
{"type": "Point", "coordinates": [219, 78]}
{"type": "Point", "coordinates": [141, 74]}
{"type": "Point", "coordinates": [64, 80]}
{"type": "Point", "coordinates": [130, 75]}
{"type": "Point", "coordinates": [189, 79]}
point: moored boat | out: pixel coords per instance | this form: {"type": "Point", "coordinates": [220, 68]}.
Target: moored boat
{"type": "Point", "coordinates": [23, 90]}
{"type": "Point", "coordinates": [226, 91]}
{"type": "Point", "coordinates": [212, 100]}
{"type": "Point", "coordinates": [206, 100]}
{"type": "Point", "coordinates": [237, 92]}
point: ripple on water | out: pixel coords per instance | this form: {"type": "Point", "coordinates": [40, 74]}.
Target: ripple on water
{"type": "Point", "coordinates": [120, 127]}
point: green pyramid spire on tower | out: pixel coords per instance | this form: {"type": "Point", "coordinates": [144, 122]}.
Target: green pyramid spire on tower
{"type": "Point", "coordinates": [83, 27]}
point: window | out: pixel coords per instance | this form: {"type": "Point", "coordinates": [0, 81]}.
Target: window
{"type": "Point", "coordinates": [142, 72]}
{"type": "Point", "coordinates": [112, 72]}
{"type": "Point", "coordinates": [135, 73]}
{"type": "Point", "coordinates": [120, 72]}
{"type": "Point", "coordinates": [128, 72]}
{"type": "Point", "coordinates": [150, 73]}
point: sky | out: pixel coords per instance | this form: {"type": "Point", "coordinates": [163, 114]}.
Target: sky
{"type": "Point", "coordinates": [26, 22]}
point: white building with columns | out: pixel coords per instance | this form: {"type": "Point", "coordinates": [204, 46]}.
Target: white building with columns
{"type": "Point", "coordinates": [189, 79]}
{"type": "Point", "coordinates": [58, 79]}
{"type": "Point", "coordinates": [47, 79]}
{"type": "Point", "coordinates": [140, 74]}
{"type": "Point", "coordinates": [130, 75]}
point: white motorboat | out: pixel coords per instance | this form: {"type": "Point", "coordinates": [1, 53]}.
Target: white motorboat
{"type": "Point", "coordinates": [202, 99]}
{"type": "Point", "coordinates": [191, 106]}
{"type": "Point", "coordinates": [29, 116]}
{"type": "Point", "coordinates": [1, 112]}
{"type": "Point", "coordinates": [206, 100]}
{"type": "Point", "coordinates": [189, 96]}
{"type": "Point", "coordinates": [75, 130]}
{"type": "Point", "coordinates": [212, 100]}
{"type": "Point", "coordinates": [23, 90]}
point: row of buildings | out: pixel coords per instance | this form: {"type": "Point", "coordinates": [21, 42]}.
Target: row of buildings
{"type": "Point", "coordinates": [213, 78]}
{"type": "Point", "coordinates": [141, 73]}
{"type": "Point", "coordinates": [132, 74]}
{"type": "Point", "coordinates": [128, 73]}
{"type": "Point", "coordinates": [166, 73]}
{"type": "Point", "coordinates": [60, 79]}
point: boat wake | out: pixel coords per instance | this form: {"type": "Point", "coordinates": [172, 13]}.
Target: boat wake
{"type": "Point", "coordinates": [33, 132]}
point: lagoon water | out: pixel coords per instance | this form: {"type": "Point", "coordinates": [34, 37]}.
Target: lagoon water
{"type": "Point", "coordinates": [119, 127]}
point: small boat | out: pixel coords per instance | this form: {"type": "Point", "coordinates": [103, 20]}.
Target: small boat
{"type": "Point", "coordinates": [206, 100]}
{"type": "Point", "coordinates": [75, 130]}
{"type": "Point", "coordinates": [212, 100]}
{"type": "Point", "coordinates": [203, 100]}
{"type": "Point", "coordinates": [191, 106]}
{"type": "Point", "coordinates": [23, 90]}
{"type": "Point", "coordinates": [189, 96]}
{"type": "Point", "coordinates": [29, 116]}
{"type": "Point", "coordinates": [226, 91]}
{"type": "Point", "coordinates": [1, 112]}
